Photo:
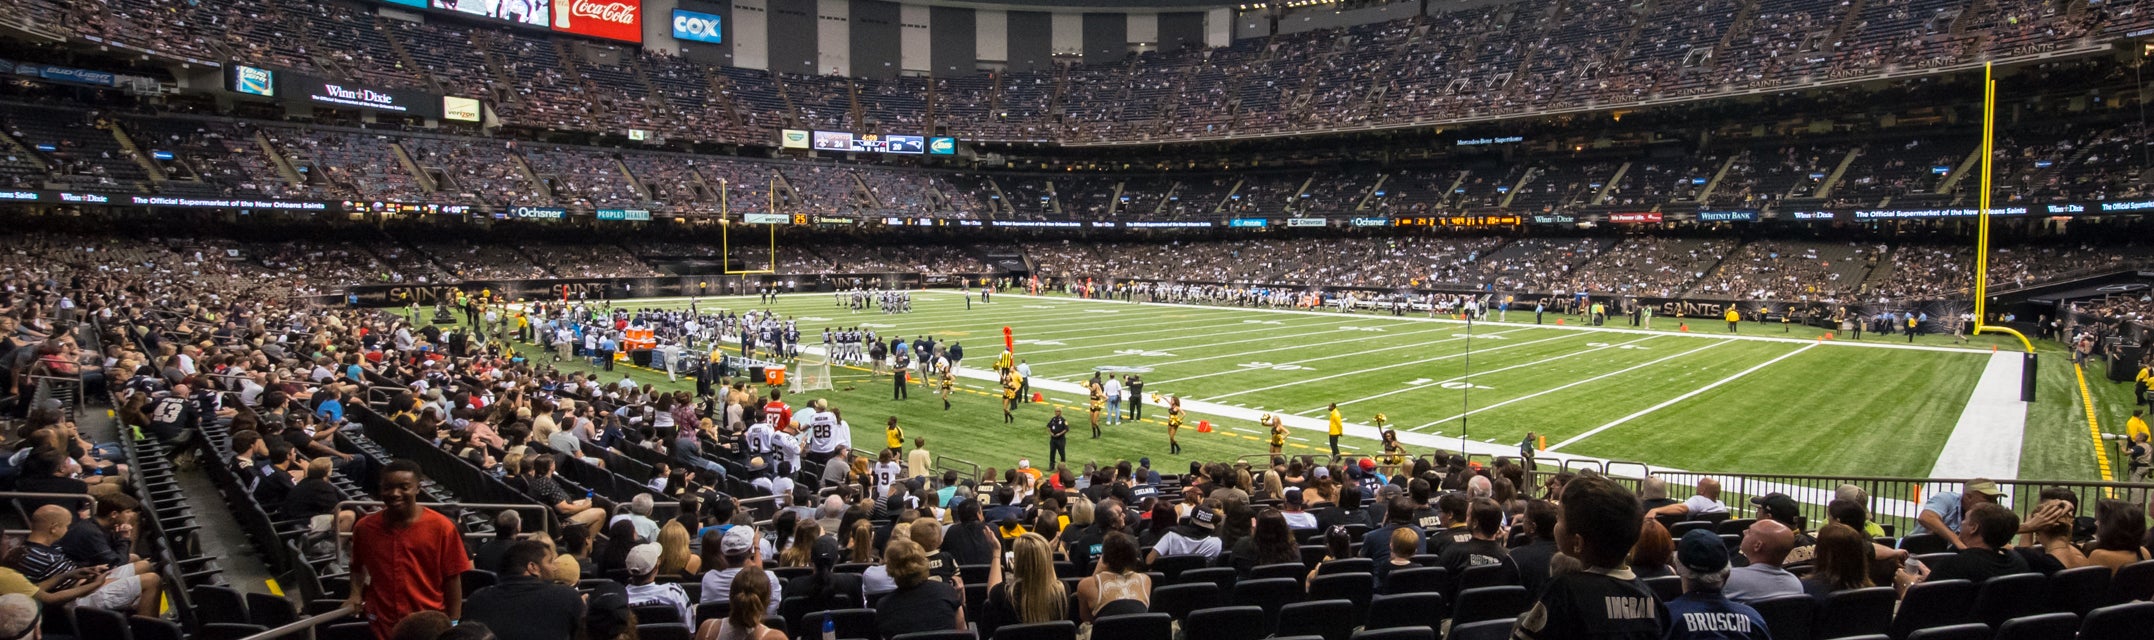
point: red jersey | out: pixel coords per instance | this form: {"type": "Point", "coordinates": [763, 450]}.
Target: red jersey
{"type": "Point", "coordinates": [777, 414]}
{"type": "Point", "coordinates": [408, 568]}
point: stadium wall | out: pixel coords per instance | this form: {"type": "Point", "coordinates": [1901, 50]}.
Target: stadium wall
{"type": "Point", "coordinates": [792, 36]}
{"type": "Point", "coordinates": [877, 41]}
{"type": "Point", "coordinates": [953, 41]}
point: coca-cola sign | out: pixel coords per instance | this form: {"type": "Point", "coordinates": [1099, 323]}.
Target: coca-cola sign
{"type": "Point", "coordinates": [611, 19]}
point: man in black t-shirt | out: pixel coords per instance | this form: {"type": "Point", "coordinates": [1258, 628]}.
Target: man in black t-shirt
{"type": "Point", "coordinates": [1451, 527]}
{"type": "Point", "coordinates": [1598, 526]}
{"type": "Point", "coordinates": [1481, 547]}
{"type": "Point", "coordinates": [1987, 532]}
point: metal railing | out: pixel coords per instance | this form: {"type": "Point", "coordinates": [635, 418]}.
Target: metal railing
{"type": "Point", "coordinates": [86, 498]}
{"type": "Point", "coordinates": [539, 515]}
{"type": "Point", "coordinates": [308, 623]}
{"type": "Point", "coordinates": [1893, 501]}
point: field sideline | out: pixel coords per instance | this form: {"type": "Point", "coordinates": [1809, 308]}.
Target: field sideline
{"type": "Point", "coordinates": [1770, 399]}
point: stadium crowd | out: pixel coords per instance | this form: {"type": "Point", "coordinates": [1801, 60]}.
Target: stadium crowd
{"type": "Point", "coordinates": [729, 511]}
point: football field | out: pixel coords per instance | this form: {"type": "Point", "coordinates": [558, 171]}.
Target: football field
{"type": "Point", "coordinates": [1684, 393]}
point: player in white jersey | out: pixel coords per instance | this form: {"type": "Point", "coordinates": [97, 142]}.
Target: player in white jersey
{"type": "Point", "coordinates": [885, 473]}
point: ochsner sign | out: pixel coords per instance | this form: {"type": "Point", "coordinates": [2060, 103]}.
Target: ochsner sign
{"type": "Point", "coordinates": [611, 19]}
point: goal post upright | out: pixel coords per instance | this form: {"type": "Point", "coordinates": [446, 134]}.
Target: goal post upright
{"type": "Point", "coordinates": [1981, 283]}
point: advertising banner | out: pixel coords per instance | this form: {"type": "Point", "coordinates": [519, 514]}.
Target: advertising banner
{"type": "Point", "coordinates": [1246, 223]}
{"type": "Point", "coordinates": [696, 26]}
{"type": "Point", "coordinates": [1738, 215]}
{"type": "Point", "coordinates": [1372, 222]}
{"type": "Point", "coordinates": [630, 215]}
{"type": "Point", "coordinates": [610, 19]}
{"type": "Point", "coordinates": [460, 109]}
{"type": "Point", "coordinates": [67, 74]}
{"type": "Point", "coordinates": [834, 141]}
{"type": "Point", "coordinates": [537, 213]}
{"type": "Point", "coordinates": [1554, 218]}
{"type": "Point", "coordinates": [254, 81]}
{"type": "Point", "coordinates": [765, 218]}
{"type": "Point", "coordinates": [793, 139]}
{"type": "Point", "coordinates": [527, 12]}
{"type": "Point", "coordinates": [346, 95]}
{"type": "Point", "coordinates": [940, 146]}
{"type": "Point", "coordinates": [1307, 222]}
{"type": "Point", "coordinates": [1650, 217]}
{"type": "Point", "coordinates": [1167, 224]}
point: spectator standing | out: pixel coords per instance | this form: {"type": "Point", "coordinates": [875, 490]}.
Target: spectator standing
{"type": "Point", "coordinates": [406, 558]}
{"type": "Point", "coordinates": [1702, 611]}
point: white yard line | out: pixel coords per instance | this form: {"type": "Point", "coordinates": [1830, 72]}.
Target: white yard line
{"type": "Point", "coordinates": [1432, 385]}
{"type": "Point", "coordinates": [1567, 386]}
{"type": "Point", "coordinates": [1986, 441]}
{"type": "Point", "coordinates": [1357, 372]}
{"type": "Point", "coordinates": [1272, 330]}
{"type": "Point", "coordinates": [1672, 402]}
{"type": "Point", "coordinates": [1567, 327]}
{"type": "Point", "coordinates": [1306, 346]}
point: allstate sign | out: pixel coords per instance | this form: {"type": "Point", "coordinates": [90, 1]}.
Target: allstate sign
{"type": "Point", "coordinates": [696, 26]}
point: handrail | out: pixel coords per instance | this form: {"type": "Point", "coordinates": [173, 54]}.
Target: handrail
{"type": "Point", "coordinates": [437, 506]}
{"type": "Point", "coordinates": [13, 495]}
{"type": "Point", "coordinates": [346, 610]}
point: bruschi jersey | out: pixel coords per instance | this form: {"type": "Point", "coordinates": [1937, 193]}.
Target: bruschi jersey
{"type": "Point", "coordinates": [1596, 604]}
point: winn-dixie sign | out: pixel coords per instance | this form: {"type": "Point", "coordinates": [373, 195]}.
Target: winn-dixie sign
{"type": "Point", "coordinates": [346, 95]}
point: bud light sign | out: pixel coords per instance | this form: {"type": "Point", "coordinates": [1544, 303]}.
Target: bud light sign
{"type": "Point", "coordinates": [611, 19]}
{"type": "Point", "coordinates": [696, 26]}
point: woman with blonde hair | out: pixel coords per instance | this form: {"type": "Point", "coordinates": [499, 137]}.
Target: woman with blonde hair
{"type": "Point", "coordinates": [1028, 592]}
{"type": "Point", "coordinates": [802, 552]}
{"type": "Point", "coordinates": [673, 556]}
{"type": "Point", "coordinates": [1274, 487]}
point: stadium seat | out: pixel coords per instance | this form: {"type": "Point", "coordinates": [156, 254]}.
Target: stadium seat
{"type": "Point", "coordinates": [1855, 612]}
{"type": "Point", "coordinates": [1346, 565]}
{"type": "Point", "coordinates": [1922, 543]}
{"type": "Point", "coordinates": [664, 630]}
{"type": "Point", "coordinates": [214, 604]}
{"type": "Point", "coordinates": [1224, 577]}
{"type": "Point", "coordinates": [1122, 607]}
{"type": "Point", "coordinates": [1056, 630]}
{"type": "Point", "coordinates": [1179, 600]}
{"type": "Point", "coordinates": [1293, 570]}
{"type": "Point", "coordinates": [1735, 526]}
{"type": "Point", "coordinates": [93, 622]}
{"type": "Point", "coordinates": [1407, 610]}
{"type": "Point", "coordinates": [2048, 626]}
{"type": "Point", "coordinates": [1328, 619]}
{"type": "Point", "coordinates": [2006, 597]}
{"type": "Point", "coordinates": [270, 611]}
{"type": "Point", "coordinates": [1490, 575]}
{"type": "Point", "coordinates": [852, 623]}
{"type": "Point", "coordinates": [1483, 630]}
{"type": "Point", "coordinates": [346, 631]}
{"type": "Point", "coordinates": [713, 610]}
{"type": "Point", "coordinates": [2079, 590]}
{"type": "Point", "coordinates": [226, 631]}
{"type": "Point", "coordinates": [1226, 623]}
{"type": "Point", "coordinates": [1666, 587]}
{"type": "Point", "coordinates": [1272, 595]}
{"type": "Point", "coordinates": [1141, 626]}
{"type": "Point", "coordinates": [2128, 621]}
{"type": "Point", "coordinates": [1399, 633]}
{"type": "Point", "coordinates": [1937, 603]}
{"type": "Point", "coordinates": [147, 628]}
{"type": "Point", "coordinates": [937, 635]}
{"type": "Point", "coordinates": [1490, 603]}
{"type": "Point", "coordinates": [1970, 631]}
{"type": "Point", "coordinates": [1678, 529]}
{"type": "Point", "coordinates": [1417, 580]}
{"type": "Point", "coordinates": [1357, 588]}
{"type": "Point", "coordinates": [477, 579]}
{"type": "Point", "coordinates": [658, 614]}
{"type": "Point", "coordinates": [2132, 583]}
{"type": "Point", "coordinates": [1787, 616]}
{"type": "Point", "coordinates": [1173, 566]}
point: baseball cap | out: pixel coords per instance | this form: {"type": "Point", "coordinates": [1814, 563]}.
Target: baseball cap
{"type": "Point", "coordinates": [1389, 491]}
{"type": "Point", "coordinates": [1293, 496]}
{"type": "Point", "coordinates": [1368, 464]}
{"type": "Point", "coordinates": [607, 614]}
{"type": "Point", "coordinates": [826, 551]}
{"type": "Point", "coordinates": [1702, 551]}
{"type": "Point", "coordinates": [643, 558]}
{"type": "Point", "coordinates": [738, 541]}
{"type": "Point", "coordinates": [1777, 506]}
{"type": "Point", "coordinates": [1203, 518]}
{"type": "Point", "coordinates": [1985, 487]}
{"type": "Point", "coordinates": [1322, 472]}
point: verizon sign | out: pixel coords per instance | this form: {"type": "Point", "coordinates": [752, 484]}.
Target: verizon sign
{"type": "Point", "coordinates": [610, 19]}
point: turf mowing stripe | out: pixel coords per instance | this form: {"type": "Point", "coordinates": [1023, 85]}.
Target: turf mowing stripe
{"type": "Point", "coordinates": [1270, 332]}
{"type": "Point", "coordinates": [1567, 386]}
{"type": "Point", "coordinates": [2094, 429]}
{"type": "Point", "coordinates": [1409, 363]}
{"type": "Point", "coordinates": [1464, 377]}
{"type": "Point", "coordinates": [1694, 393]}
{"type": "Point", "coordinates": [1303, 347]}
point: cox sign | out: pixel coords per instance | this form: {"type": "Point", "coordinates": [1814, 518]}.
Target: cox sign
{"type": "Point", "coordinates": [697, 27]}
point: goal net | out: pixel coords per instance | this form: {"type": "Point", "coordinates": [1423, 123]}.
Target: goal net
{"type": "Point", "coordinates": [810, 376]}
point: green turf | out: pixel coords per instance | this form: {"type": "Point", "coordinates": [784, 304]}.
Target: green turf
{"type": "Point", "coordinates": [1828, 409]}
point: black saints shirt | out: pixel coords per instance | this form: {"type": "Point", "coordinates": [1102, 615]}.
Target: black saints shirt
{"type": "Point", "coordinates": [1595, 604]}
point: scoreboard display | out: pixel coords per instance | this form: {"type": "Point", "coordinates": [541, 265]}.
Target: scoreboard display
{"type": "Point", "coordinates": [1458, 221]}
